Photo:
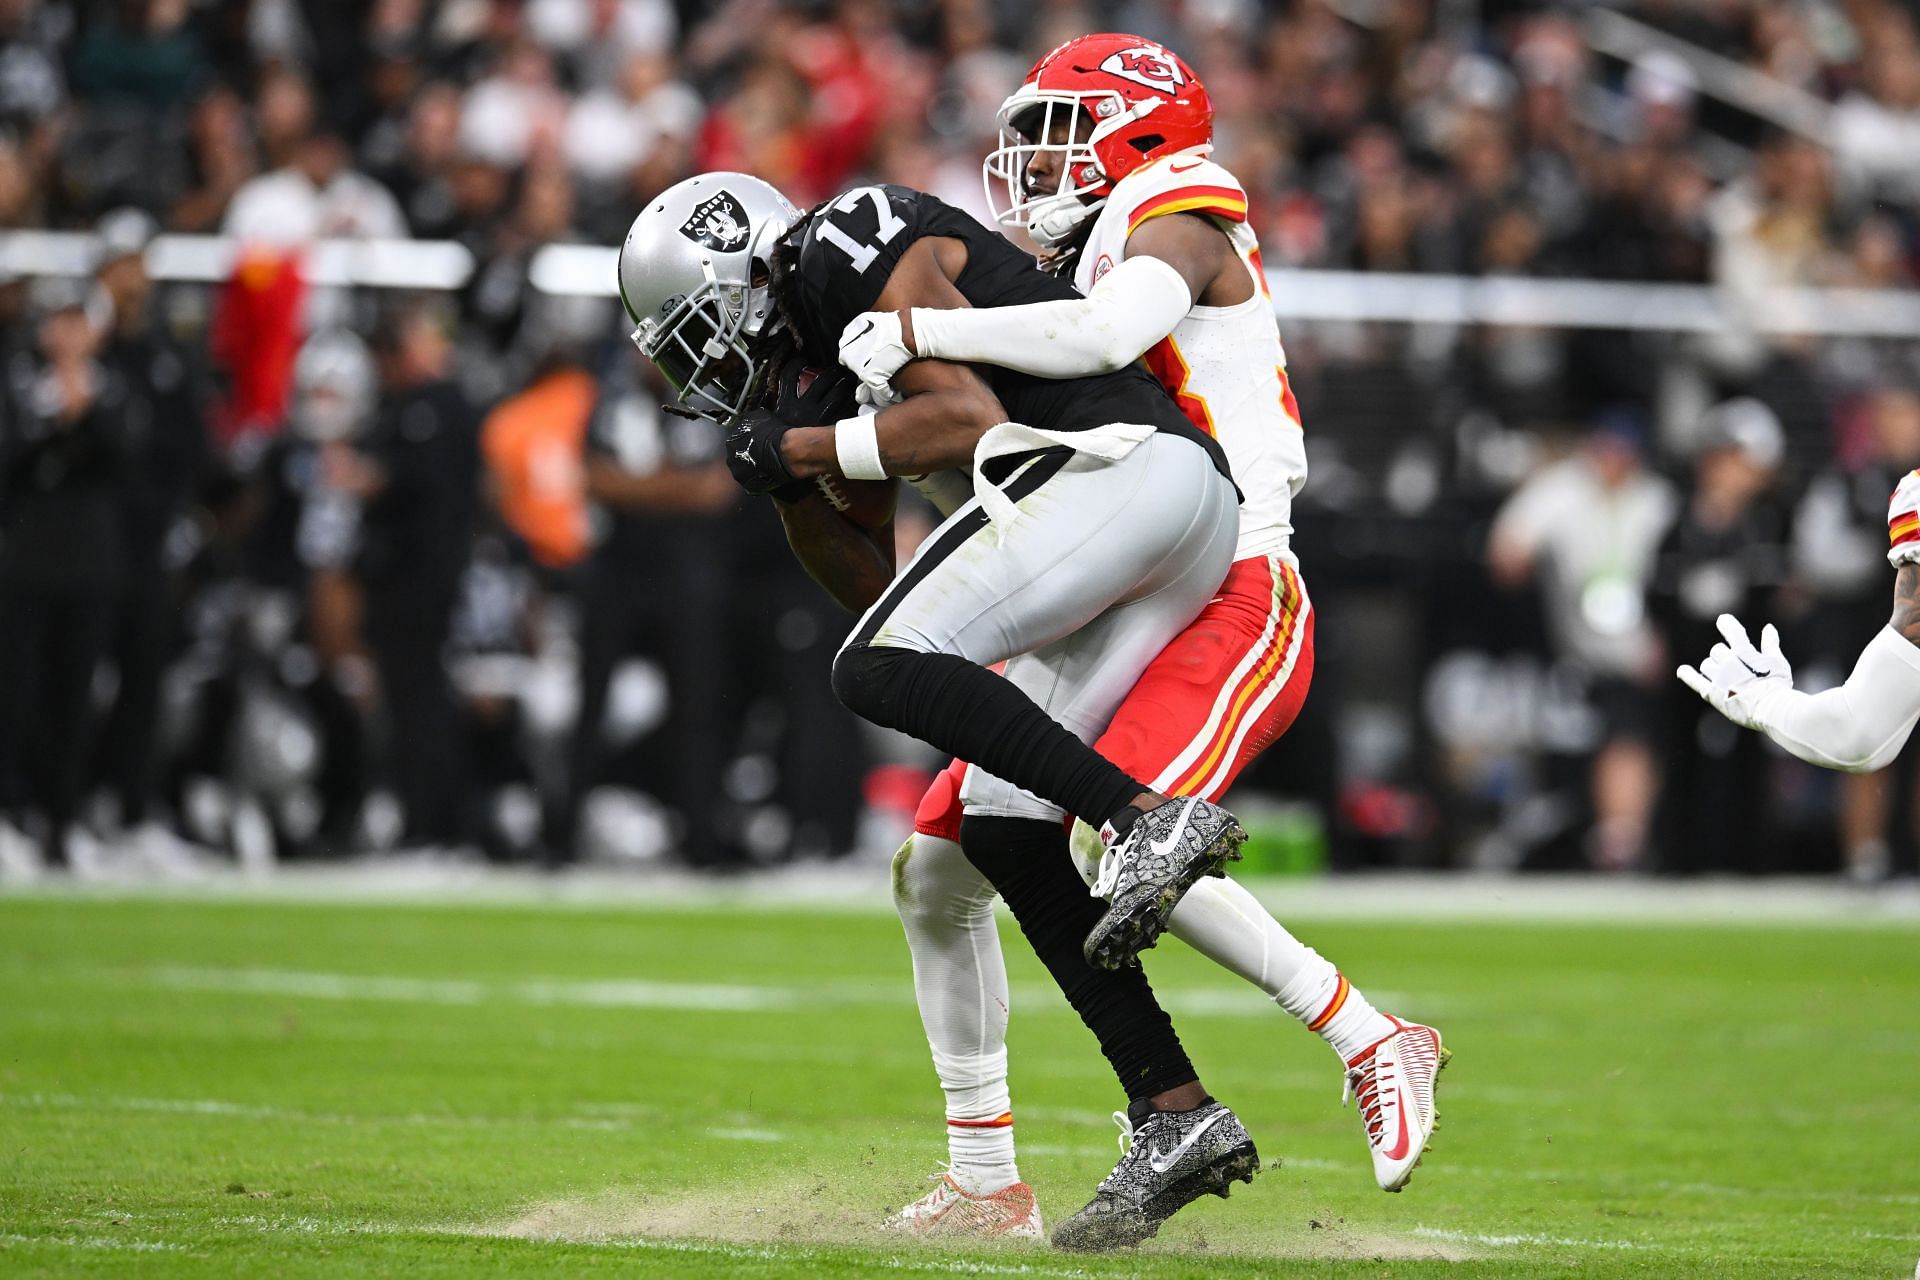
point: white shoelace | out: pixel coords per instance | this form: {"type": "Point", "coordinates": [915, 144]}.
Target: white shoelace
{"type": "Point", "coordinates": [1110, 863]}
{"type": "Point", "coordinates": [944, 1193]}
{"type": "Point", "coordinates": [1363, 1086]}
{"type": "Point", "coordinates": [1126, 1131]}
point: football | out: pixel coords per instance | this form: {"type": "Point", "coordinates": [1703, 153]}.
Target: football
{"type": "Point", "coordinates": [867, 503]}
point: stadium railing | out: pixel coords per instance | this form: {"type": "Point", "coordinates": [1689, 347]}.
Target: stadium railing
{"type": "Point", "coordinates": [1755, 92]}
{"type": "Point", "coordinates": [589, 271]}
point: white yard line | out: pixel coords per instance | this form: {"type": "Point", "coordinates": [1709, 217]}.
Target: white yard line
{"type": "Point", "coordinates": [849, 887]}
{"type": "Point", "coordinates": [704, 997]}
{"type": "Point", "coordinates": [105, 1243]}
{"type": "Point", "coordinates": [308, 1225]}
{"type": "Point", "coordinates": [111, 1103]}
{"type": "Point", "coordinates": [595, 1123]}
{"type": "Point", "coordinates": [623, 994]}
{"type": "Point", "coordinates": [747, 1134]}
{"type": "Point", "coordinates": [180, 1106]}
{"type": "Point", "coordinates": [1536, 1241]}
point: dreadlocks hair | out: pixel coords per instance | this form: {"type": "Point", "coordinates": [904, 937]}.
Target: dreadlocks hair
{"type": "Point", "coordinates": [1064, 260]}
{"type": "Point", "coordinates": [784, 284]}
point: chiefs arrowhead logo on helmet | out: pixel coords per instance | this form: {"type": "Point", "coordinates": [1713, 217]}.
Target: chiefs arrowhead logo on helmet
{"type": "Point", "coordinates": [717, 222]}
{"type": "Point", "coordinates": [1147, 65]}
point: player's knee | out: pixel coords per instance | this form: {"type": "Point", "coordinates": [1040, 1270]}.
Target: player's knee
{"type": "Point", "coordinates": [875, 681]}
{"type": "Point", "coordinates": [864, 678]}
{"type": "Point", "coordinates": [935, 886]}
{"type": "Point", "coordinates": [906, 901]}
{"type": "Point", "coordinates": [1021, 858]}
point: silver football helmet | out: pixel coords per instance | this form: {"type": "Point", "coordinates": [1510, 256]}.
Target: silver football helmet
{"type": "Point", "coordinates": [694, 275]}
{"type": "Point", "coordinates": [333, 387]}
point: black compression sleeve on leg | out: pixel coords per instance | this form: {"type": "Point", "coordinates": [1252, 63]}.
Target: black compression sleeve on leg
{"type": "Point", "coordinates": [969, 712]}
{"type": "Point", "coordinates": [1027, 861]}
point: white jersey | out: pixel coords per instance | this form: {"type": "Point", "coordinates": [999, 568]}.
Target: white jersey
{"type": "Point", "coordinates": [1224, 366]}
{"type": "Point", "coordinates": [1903, 522]}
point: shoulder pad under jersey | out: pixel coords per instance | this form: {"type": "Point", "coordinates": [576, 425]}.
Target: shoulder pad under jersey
{"type": "Point", "coordinates": [1178, 184]}
{"type": "Point", "coordinates": [1903, 521]}
{"type": "Point", "coordinates": [847, 253]}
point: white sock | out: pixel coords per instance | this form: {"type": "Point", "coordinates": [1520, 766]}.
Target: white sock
{"type": "Point", "coordinates": [1223, 921]}
{"type": "Point", "coordinates": [979, 1126]}
{"type": "Point", "coordinates": [960, 983]}
{"type": "Point", "coordinates": [1333, 1008]}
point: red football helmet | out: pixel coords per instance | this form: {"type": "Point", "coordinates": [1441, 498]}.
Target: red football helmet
{"type": "Point", "coordinates": [1118, 101]}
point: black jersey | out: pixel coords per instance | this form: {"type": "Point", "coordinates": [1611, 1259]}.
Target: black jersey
{"type": "Point", "coordinates": [847, 250]}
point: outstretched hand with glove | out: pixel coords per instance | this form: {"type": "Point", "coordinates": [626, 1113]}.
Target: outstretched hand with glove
{"type": "Point", "coordinates": [1737, 679]}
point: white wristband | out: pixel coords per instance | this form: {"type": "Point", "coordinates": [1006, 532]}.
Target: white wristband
{"type": "Point", "coordinates": [857, 445]}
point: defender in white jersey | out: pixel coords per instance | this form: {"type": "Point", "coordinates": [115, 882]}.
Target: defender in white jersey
{"type": "Point", "coordinates": [1224, 365]}
{"type": "Point", "coordinates": [1858, 727]}
{"type": "Point", "coordinates": [1104, 163]}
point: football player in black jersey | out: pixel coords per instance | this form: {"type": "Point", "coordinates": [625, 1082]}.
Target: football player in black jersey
{"type": "Point", "coordinates": [1101, 521]}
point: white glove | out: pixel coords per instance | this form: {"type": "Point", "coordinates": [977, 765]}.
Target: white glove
{"type": "Point", "coordinates": [876, 399]}
{"type": "Point", "coordinates": [873, 350]}
{"type": "Point", "coordinates": [1738, 680]}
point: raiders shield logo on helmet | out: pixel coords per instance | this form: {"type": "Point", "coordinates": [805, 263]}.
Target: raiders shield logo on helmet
{"type": "Point", "coordinates": [718, 222]}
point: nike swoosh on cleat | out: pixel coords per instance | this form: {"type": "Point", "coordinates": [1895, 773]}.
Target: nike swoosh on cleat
{"type": "Point", "coordinates": [1399, 1151]}
{"type": "Point", "coordinates": [1160, 1161]}
{"type": "Point", "coordinates": [1172, 842]}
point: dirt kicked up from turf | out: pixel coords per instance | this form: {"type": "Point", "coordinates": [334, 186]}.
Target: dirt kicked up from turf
{"type": "Point", "coordinates": [807, 1212]}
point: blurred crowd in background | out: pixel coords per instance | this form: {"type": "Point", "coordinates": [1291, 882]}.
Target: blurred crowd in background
{"type": "Point", "coordinates": [298, 571]}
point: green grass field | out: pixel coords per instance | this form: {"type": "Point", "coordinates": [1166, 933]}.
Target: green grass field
{"type": "Point", "coordinates": [285, 1088]}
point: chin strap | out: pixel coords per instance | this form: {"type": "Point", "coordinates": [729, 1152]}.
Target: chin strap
{"type": "Point", "coordinates": [1053, 222]}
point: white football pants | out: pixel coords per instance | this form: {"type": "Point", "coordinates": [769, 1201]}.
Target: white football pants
{"type": "Point", "coordinates": [1106, 562]}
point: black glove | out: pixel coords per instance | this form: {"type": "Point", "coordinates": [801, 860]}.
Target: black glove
{"type": "Point", "coordinates": [806, 396]}
{"type": "Point", "coordinates": [803, 396]}
{"type": "Point", "coordinates": [753, 456]}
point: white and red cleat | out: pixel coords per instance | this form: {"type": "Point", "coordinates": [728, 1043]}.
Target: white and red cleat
{"type": "Point", "coordinates": [948, 1210]}
{"type": "Point", "coordinates": [1393, 1082]}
